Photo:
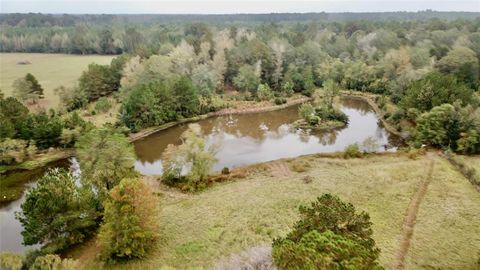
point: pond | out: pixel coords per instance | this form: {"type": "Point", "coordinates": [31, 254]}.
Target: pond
{"type": "Point", "coordinates": [252, 138]}
{"type": "Point", "coordinates": [243, 139]}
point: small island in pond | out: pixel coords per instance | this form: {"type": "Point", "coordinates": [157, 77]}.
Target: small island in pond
{"type": "Point", "coordinates": [325, 116]}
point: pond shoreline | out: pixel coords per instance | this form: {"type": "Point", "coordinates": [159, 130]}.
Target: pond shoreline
{"type": "Point", "coordinates": [381, 115]}
{"type": "Point", "coordinates": [63, 153]}
{"type": "Point", "coordinates": [60, 154]}
{"type": "Point", "coordinates": [227, 111]}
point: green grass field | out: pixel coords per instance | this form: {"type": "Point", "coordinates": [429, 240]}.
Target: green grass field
{"type": "Point", "coordinates": [51, 70]}
{"type": "Point", "coordinates": [199, 229]}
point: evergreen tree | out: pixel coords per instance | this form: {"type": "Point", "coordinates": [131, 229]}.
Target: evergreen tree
{"type": "Point", "coordinates": [331, 234]}
{"type": "Point", "coordinates": [105, 158]}
{"type": "Point", "coordinates": [57, 213]}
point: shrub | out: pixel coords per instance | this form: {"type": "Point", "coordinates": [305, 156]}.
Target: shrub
{"type": "Point", "coordinates": [11, 261]}
{"type": "Point", "coordinates": [225, 170]}
{"type": "Point", "coordinates": [287, 88]}
{"type": "Point", "coordinates": [71, 98]}
{"type": "Point", "coordinates": [381, 101]}
{"type": "Point", "coordinates": [103, 105]}
{"type": "Point", "coordinates": [280, 100]}
{"type": "Point", "coordinates": [13, 151]}
{"type": "Point", "coordinates": [306, 111]}
{"type": "Point", "coordinates": [264, 92]}
{"type": "Point", "coordinates": [331, 114]}
{"type": "Point", "coordinates": [54, 262]}
{"type": "Point", "coordinates": [330, 234]}
{"type": "Point", "coordinates": [130, 222]}
{"type": "Point", "coordinates": [352, 151]}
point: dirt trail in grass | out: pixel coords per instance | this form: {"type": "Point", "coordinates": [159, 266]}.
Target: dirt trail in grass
{"type": "Point", "coordinates": [410, 219]}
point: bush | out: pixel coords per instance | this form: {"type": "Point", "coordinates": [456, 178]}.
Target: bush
{"type": "Point", "coordinates": [306, 111]}
{"type": "Point", "coordinates": [314, 120]}
{"type": "Point", "coordinates": [130, 223]}
{"type": "Point", "coordinates": [352, 151]}
{"type": "Point", "coordinates": [280, 100]}
{"type": "Point", "coordinates": [54, 262]}
{"type": "Point", "coordinates": [381, 101]}
{"type": "Point", "coordinates": [11, 261]}
{"type": "Point", "coordinates": [330, 234]}
{"type": "Point", "coordinates": [225, 170]}
{"type": "Point", "coordinates": [331, 114]}
{"type": "Point", "coordinates": [103, 105]}
{"type": "Point", "coordinates": [71, 98]}
{"type": "Point", "coordinates": [264, 93]}
{"type": "Point", "coordinates": [13, 151]}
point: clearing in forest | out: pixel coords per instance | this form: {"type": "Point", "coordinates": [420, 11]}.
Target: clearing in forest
{"type": "Point", "coordinates": [199, 229]}
{"type": "Point", "coordinates": [51, 70]}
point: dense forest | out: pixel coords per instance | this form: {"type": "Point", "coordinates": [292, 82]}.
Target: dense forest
{"type": "Point", "coordinates": [421, 69]}
{"type": "Point", "coordinates": [114, 34]}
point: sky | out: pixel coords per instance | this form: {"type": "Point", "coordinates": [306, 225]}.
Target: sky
{"type": "Point", "coordinates": [230, 6]}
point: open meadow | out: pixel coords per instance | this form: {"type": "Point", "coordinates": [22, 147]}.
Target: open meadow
{"type": "Point", "coordinates": [199, 229]}
{"type": "Point", "coordinates": [51, 70]}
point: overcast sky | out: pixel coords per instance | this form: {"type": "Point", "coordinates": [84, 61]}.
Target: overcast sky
{"type": "Point", "coordinates": [231, 6]}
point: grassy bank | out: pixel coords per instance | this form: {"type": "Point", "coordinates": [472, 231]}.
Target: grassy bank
{"type": "Point", "coordinates": [199, 229]}
{"type": "Point", "coordinates": [51, 70]}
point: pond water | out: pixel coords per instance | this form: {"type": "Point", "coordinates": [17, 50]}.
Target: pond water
{"type": "Point", "coordinates": [243, 139]}
{"type": "Point", "coordinates": [251, 138]}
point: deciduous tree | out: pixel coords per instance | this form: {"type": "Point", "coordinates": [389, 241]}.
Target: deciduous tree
{"type": "Point", "coordinates": [130, 222]}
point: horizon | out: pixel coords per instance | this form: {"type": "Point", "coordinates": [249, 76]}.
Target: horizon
{"type": "Point", "coordinates": [249, 13]}
{"type": "Point", "coordinates": [228, 7]}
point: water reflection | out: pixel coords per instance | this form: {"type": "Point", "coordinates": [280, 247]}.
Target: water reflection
{"type": "Point", "coordinates": [251, 138]}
